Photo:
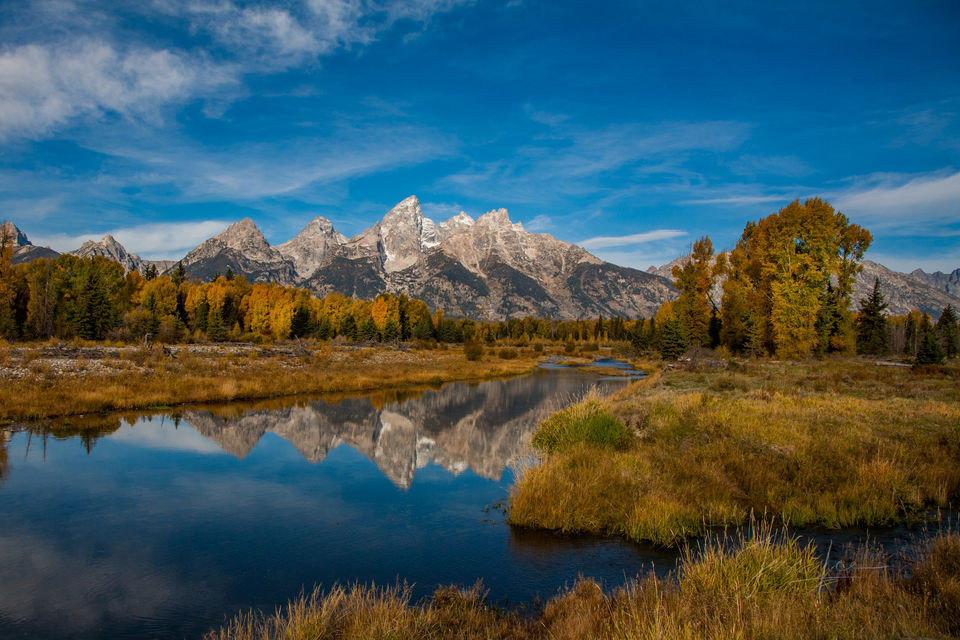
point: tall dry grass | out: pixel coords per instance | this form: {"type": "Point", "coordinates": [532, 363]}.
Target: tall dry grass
{"type": "Point", "coordinates": [835, 445]}
{"type": "Point", "coordinates": [150, 378]}
{"type": "Point", "coordinates": [762, 585]}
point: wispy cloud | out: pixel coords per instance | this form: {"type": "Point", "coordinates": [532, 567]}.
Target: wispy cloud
{"type": "Point", "coordinates": [740, 200]}
{"type": "Point", "coordinates": [43, 87]}
{"type": "Point", "coordinates": [85, 65]}
{"type": "Point", "coordinates": [578, 160]}
{"type": "Point", "coordinates": [540, 222]}
{"type": "Point", "coordinates": [903, 200]}
{"type": "Point", "coordinates": [601, 242]}
{"type": "Point", "coordinates": [155, 241]}
{"type": "Point", "coordinates": [253, 171]}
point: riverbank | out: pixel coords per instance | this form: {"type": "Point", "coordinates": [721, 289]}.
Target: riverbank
{"type": "Point", "coordinates": [836, 443]}
{"type": "Point", "coordinates": [46, 381]}
{"type": "Point", "coordinates": [767, 587]}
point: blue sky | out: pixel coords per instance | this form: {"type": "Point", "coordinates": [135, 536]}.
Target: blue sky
{"type": "Point", "coordinates": [630, 128]}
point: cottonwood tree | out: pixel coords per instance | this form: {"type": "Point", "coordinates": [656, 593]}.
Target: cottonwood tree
{"type": "Point", "coordinates": [780, 273]}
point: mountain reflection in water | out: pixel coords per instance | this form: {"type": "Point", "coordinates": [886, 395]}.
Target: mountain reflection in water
{"type": "Point", "coordinates": [159, 526]}
{"type": "Point", "coordinates": [477, 426]}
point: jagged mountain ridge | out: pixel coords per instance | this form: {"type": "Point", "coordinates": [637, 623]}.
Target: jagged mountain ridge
{"type": "Point", "coordinates": [489, 268]}
{"type": "Point", "coordinates": [24, 250]}
{"type": "Point", "coordinates": [903, 292]}
{"type": "Point", "coordinates": [108, 247]}
{"type": "Point", "coordinates": [949, 282]}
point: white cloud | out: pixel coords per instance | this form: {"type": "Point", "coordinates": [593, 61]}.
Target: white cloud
{"type": "Point", "coordinates": [904, 200]}
{"type": "Point", "coordinates": [541, 222]}
{"type": "Point", "coordinates": [602, 242]}
{"type": "Point", "coordinates": [156, 241]}
{"type": "Point", "coordinates": [642, 258]}
{"type": "Point", "coordinates": [576, 161]}
{"type": "Point", "coordinates": [68, 62]}
{"type": "Point", "coordinates": [42, 87]}
{"type": "Point", "coordinates": [741, 200]}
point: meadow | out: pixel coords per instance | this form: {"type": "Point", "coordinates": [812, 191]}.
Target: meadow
{"type": "Point", "coordinates": [47, 380]}
{"type": "Point", "coordinates": [833, 443]}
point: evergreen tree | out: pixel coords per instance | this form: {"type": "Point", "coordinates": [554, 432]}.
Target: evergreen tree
{"type": "Point", "coordinates": [673, 343]}
{"type": "Point", "coordinates": [179, 274]}
{"type": "Point", "coordinates": [929, 351]}
{"type": "Point", "coordinates": [216, 330]}
{"type": "Point", "coordinates": [871, 325]}
{"type": "Point", "coordinates": [300, 324]}
{"type": "Point", "coordinates": [391, 331]}
{"type": "Point", "coordinates": [947, 332]}
{"type": "Point", "coordinates": [150, 272]}
{"type": "Point", "coordinates": [324, 329]}
{"type": "Point", "coordinates": [349, 328]}
{"type": "Point", "coordinates": [716, 327]}
{"type": "Point", "coordinates": [423, 330]}
{"type": "Point", "coordinates": [229, 274]}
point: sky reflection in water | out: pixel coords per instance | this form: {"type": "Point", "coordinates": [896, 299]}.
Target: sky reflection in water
{"type": "Point", "coordinates": [163, 528]}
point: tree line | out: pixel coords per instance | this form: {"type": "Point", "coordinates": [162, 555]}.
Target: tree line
{"type": "Point", "coordinates": [784, 290]}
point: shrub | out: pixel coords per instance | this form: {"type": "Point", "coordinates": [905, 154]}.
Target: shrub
{"type": "Point", "coordinates": [586, 422]}
{"type": "Point", "coordinates": [472, 350]}
{"type": "Point", "coordinates": [508, 354]}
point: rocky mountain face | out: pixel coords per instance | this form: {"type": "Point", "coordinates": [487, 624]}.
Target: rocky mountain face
{"type": "Point", "coordinates": [458, 427]}
{"type": "Point", "coordinates": [948, 282]}
{"type": "Point", "coordinates": [307, 250]}
{"type": "Point", "coordinates": [108, 247]}
{"type": "Point", "coordinates": [242, 248]}
{"type": "Point", "coordinates": [489, 269]}
{"type": "Point", "coordinates": [24, 250]}
{"type": "Point", "coordinates": [903, 292]}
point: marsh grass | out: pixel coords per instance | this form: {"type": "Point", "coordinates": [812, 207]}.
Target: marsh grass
{"type": "Point", "coordinates": [584, 422]}
{"type": "Point", "coordinates": [153, 377]}
{"type": "Point", "coordinates": [830, 444]}
{"type": "Point", "coordinates": [764, 584]}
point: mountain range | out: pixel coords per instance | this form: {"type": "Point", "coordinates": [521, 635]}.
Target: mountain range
{"type": "Point", "coordinates": [488, 269]}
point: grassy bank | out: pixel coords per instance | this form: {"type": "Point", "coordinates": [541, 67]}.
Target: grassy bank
{"type": "Point", "coordinates": [835, 444]}
{"type": "Point", "coordinates": [41, 381]}
{"type": "Point", "coordinates": [768, 587]}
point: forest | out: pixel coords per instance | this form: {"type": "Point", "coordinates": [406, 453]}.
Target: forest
{"type": "Point", "coordinates": [786, 291]}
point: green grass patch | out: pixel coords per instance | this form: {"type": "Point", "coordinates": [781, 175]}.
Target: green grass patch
{"type": "Point", "coordinates": [586, 422]}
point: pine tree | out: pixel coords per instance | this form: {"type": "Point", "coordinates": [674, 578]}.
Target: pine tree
{"type": "Point", "coordinates": [179, 274]}
{"type": "Point", "coordinates": [673, 343]}
{"type": "Point", "coordinates": [216, 331]}
{"type": "Point", "coordinates": [929, 351]}
{"type": "Point", "coordinates": [947, 332]}
{"type": "Point", "coordinates": [300, 324]}
{"type": "Point", "coordinates": [871, 325]}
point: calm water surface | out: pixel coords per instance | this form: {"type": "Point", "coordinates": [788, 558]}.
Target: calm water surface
{"type": "Point", "coordinates": [164, 527]}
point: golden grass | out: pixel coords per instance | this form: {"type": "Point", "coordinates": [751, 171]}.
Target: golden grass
{"type": "Point", "coordinates": [149, 378]}
{"type": "Point", "coordinates": [764, 585]}
{"type": "Point", "coordinates": [833, 444]}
